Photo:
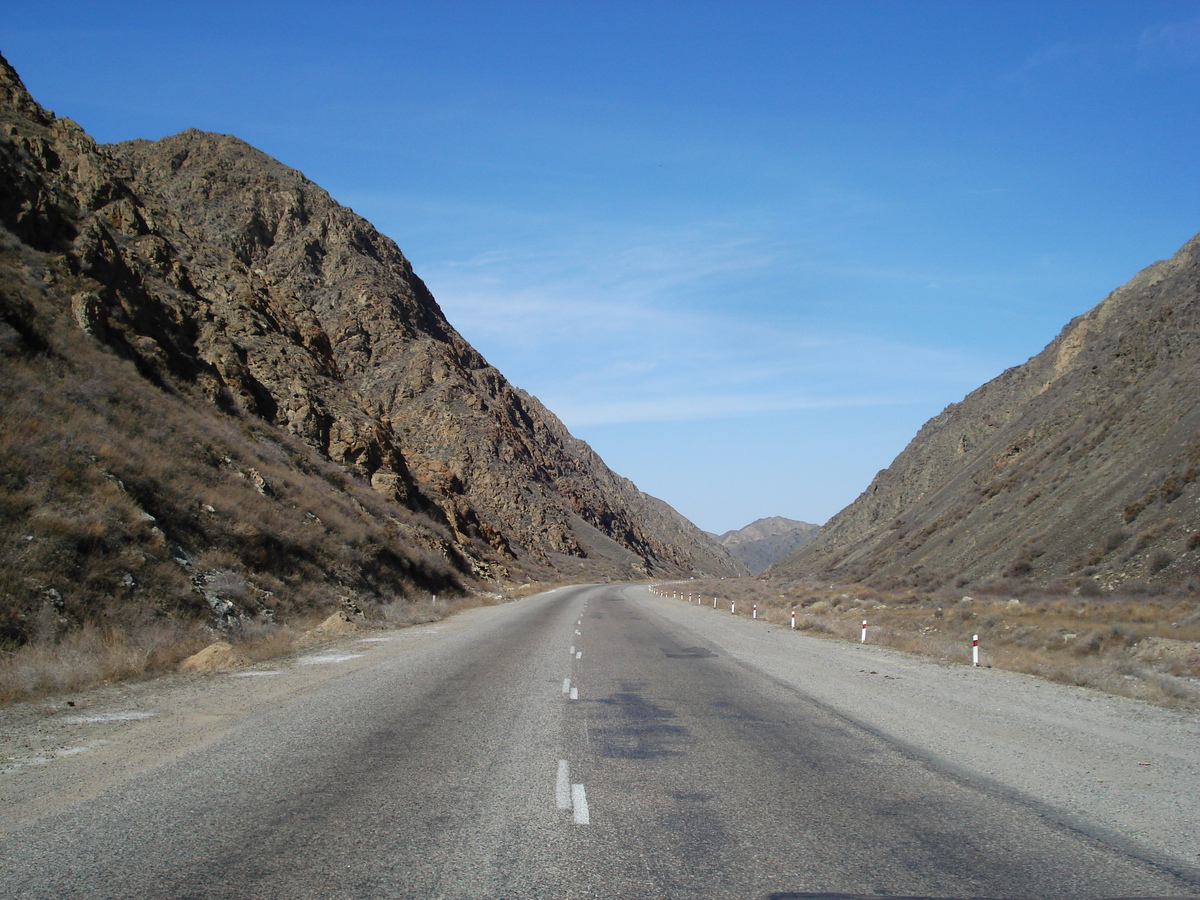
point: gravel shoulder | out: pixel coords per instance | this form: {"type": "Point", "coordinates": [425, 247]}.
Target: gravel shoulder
{"type": "Point", "coordinates": [66, 749]}
{"type": "Point", "coordinates": [1121, 770]}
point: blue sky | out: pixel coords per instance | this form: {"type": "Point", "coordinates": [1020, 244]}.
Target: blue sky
{"type": "Point", "coordinates": [743, 249]}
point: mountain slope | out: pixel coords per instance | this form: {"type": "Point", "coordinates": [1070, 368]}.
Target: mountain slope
{"type": "Point", "coordinates": [764, 541]}
{"type": "Point", "coordinates": [1081, 466]}
{"type": "Point", "coordinates": [222, 306]}
{"type": "Point", "coordinates": [503, 469]}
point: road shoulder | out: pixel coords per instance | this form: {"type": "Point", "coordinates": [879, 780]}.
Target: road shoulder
{"type": "Point", "coordinates": [1124, 771]}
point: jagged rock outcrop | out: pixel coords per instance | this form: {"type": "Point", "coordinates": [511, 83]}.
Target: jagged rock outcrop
{"type": "Point", "coordinates": [1081, 466]}
{"type": "Point", "coordinates": [764, 541]}
{"type": "Point", "coordinates": [238, 287]}
{"type": "Point", "coordinates": [425, 407]}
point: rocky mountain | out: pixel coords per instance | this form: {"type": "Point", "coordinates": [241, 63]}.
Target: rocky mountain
{"type": "Point", "coordinates": [225, 309]}
{"type": "Point", "coordinates": [764, 541]}
{"type": "Point", "coordinates": [1079, 468]}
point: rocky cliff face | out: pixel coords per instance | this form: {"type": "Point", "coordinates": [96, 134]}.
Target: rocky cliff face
{"type": "Point", "coordinates": [1081, 466]}
{"type": "Point", "coordinates": [237, 287]}
{"type": "Point", "coordinates": [764, 541]}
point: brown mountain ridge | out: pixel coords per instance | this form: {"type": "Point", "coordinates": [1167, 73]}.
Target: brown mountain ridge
{"type": "Point", "coordinates": [766, 540]}
{"type": "Point", "coordinates": [225, 391]}
{"type": "Point", "coordinates": [1078, 469]}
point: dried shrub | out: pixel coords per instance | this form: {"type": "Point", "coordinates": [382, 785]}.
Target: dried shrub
{"type": "Point", "coordinates": [1160, 560]}
{"type": "Point", "coordinates": [1078, 633]}
{"type": "Point", "coordinates": [1133, 510]}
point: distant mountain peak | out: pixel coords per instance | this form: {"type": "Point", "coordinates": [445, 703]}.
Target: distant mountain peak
{"type": "Point", "coordinates": [765, 540]}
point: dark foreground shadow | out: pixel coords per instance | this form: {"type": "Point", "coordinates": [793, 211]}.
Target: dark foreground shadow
{"type": "Point", "coordinates": [800, 896]}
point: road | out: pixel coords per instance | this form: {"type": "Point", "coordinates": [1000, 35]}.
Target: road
{"type": "Point", "coordinates": [575, 744]}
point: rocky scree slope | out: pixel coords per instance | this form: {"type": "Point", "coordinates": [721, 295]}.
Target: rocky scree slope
{"type": "Point", "coordinates": [764, 541]}
{"type": "Point", "coordinates": [203, 347]}
{"type": "Point", "coordinates": [1079, 468]}
{"type": "Point", "coordinates": [502, 469]}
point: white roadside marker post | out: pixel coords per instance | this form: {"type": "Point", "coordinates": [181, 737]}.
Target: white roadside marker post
{"type": "Point", "coordinates": [975, 650]}
{"type": "Point", "coordinates": [793, 620]}
{"type": "Point", "coordinates": [754, 612]}
{"type": "Point", "coordinates": [732, 606]}
{"type": "Point", "coordinates": [864, 634]}
{"type": "Point", "coordinates": [714, 602]}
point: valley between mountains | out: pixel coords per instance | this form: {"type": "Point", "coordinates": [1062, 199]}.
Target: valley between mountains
{"type": "Point", "coordinates": [230, 400]}
{"type": "Point", "coordinates": [412, 633]}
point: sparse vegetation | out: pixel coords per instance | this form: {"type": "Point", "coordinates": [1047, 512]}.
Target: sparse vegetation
{"type": "Point", "coordinates": [1138, 645]}
{"type": "Point", "coordinates": [90, 655]}
{"type": "Point", "coordinates": [134, 522]}
{"type": "Point", "coordinates": [204, 429]}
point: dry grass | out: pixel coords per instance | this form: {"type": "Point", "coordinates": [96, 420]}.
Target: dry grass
{"type": "Point", "coordinates": [91, 655]}
{"type": "Point", "coordinates": [134, 518]}
{"type": "Point", "coordinates": [1139, 646]}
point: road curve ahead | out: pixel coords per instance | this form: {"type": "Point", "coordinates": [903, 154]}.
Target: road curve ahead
{"type": "Point", "coordinates": [573, 744]}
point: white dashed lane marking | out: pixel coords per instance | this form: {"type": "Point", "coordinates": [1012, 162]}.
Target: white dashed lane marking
{"type": "Point", "coordinates": [562, 785]}
{"type": "Point", "coordinates": [75, 751]}
{"type": "Point", "coordinates": [328, 658]}
{"type": "Point", "coordinates": [579, 805]}
{"type": "Point", "coordinates": [12, 764]}
{"type": "Point", "coordinates": [571, 796]}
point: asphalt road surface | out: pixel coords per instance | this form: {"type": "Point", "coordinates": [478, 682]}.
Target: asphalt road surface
{"type": "Point", "coordinates": [574, 744]}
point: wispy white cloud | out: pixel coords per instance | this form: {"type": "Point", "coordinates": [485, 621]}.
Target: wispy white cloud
{"type": "Point", "coordinates": [703, 407]}
{"type": "Point", "coordinates": [1067, 56]}
{"type": "Point", "coordinates": [1172, 46]}
{"type": "Point", "coordinates": [1175, 45]}
{"type": "Point", "coordinates": [616, 335]}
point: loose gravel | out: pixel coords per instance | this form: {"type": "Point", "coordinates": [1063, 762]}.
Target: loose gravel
{"type": "Point", "coordinates": [1122, 770]}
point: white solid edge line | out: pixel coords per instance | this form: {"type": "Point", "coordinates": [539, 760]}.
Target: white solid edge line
{"type": "Point", "coordinates": [562, 785]}
{"type": "Point", "coordinates": [566, 685]}
{"type": "Point", "coordinates": [580, 805]}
